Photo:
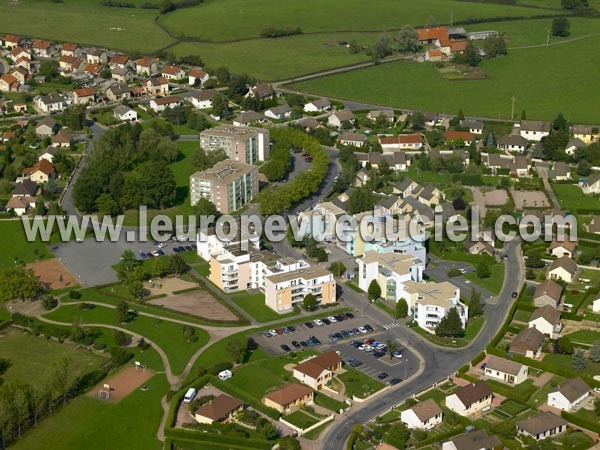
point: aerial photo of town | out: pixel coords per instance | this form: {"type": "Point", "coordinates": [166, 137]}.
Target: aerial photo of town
{"type": "Point", "coordinates": [299, 225]}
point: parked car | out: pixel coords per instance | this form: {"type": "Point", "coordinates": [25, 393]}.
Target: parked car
{"type": "Point", "coordinates": [332, 319]}
{"type": "Point", "coordinates": [515, 294]}
{"type": "Point", "coordinates": [309, 324]}
{"type": "Point", "coordinates": [291, 328]}
{"type": "Point", "coordinates": [368, 327]}
{"type": "Point", "coordinates": [267, 334]}
{"type": "Point", "coordinates": [397, 354]}
{"type": "Point", "coordinates": [395, 381]}
{"type": "Point", "coordinates": [155, 253]}
{"type": "Point", "coordinates": [296, 344]}
{"type": "Point", "coordinates": [318, 322]}
{"type": "Point", "coordinates": [303, 344]}
{"type": "Point", "coordinates": [286, 348]}
{"type": "Point", "coordinates": [273, 332]}
{"type": "Point", "coordinates": [382, 376]}
{"type": "Point", "coordinates": [326, 321]}
{"type": "Point", "coordinates": [143, 255]}
{"type": "Point", "coordinates": [350, 315]}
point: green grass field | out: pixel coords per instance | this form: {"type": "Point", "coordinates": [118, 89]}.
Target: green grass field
{"type": "Point", "coordinates": [85, 22]}
{"type": "Point", "coordinates": [224, 20]}
{"type": "Point", "coordinates": [586, 337]}
{"type": "Point", "coordinates": [359, 384]}
{"type": "Point", "coordinates": [420, 86]}
{"type": "Point", "coordinates": [32, 357]}
{"type": "Point", "coordinates": [167, 335]}
{"type": "Point", "coordinates": [15, 244]}
{"type": "Point", "coordinates": [255, 306]}
{"type": "Point", "coordinates": [493, 283]}
{"type": "Point", "coordinates": [572, 198]}
{"type": "Point", "coordinates": [95, 425]}
{"type": "Point", "coordinates": [300, 419]}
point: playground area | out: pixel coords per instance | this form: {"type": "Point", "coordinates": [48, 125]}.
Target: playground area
{"type": "Point", "coordinates": [119, 386]}
{"type": "Point", "coordinates": [53, 274]}
{"type": "Point", "coordinates": [157, 286]}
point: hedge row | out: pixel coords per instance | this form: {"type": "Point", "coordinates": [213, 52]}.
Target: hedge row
{"type": "Point", "coordinates": [242, 395]}
{"type": "Point", "coordinates": [178, 396]}
{"type": "Point", "coordinates": [351, 441]}
{"type": "Point", "coordinates": [478, 359]}
{"type": "Point", "coordinates": [573, 418]}
{"type": "Point", "coordinates": [188, 444]}
{"type": "Point", "coordinates": [230, 441]}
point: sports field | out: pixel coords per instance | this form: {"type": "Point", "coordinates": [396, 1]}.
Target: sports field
{"type": "Point", "coordinates": [226, 20]}
{"type": "Point", "coordinates": [540, 85]}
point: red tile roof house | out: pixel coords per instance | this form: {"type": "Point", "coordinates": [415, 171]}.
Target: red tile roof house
{"type": "Point", "coordinates": [8, 83]}
{"type": "Point", "coordinates": [220, 409]}
{"type": "Point", "coordinates": [454, 136]}
{"type": "Point", "coordinates": [12, 41]}
{"type": "Point", "coordinates": [21, 204]}
{"type": "Point", "coordinates": [401, 142]}
{"type": "Point", "coordinates": [40, 172]}
{"type": "Point", "coordinates": [432, 35]}
{"type": "Point", "coordinates": [161, 103]}
{"type": "Point", "coordinates": [156, 86]}
{"type": "Point", "coordinates": [69, 49]}
{"type": "Point", "coordinates": [145, 66]}
{"type": "Point", "coordinates": [119, 61]}
{"type": "Point", "coordinates": [173, 73]}
{"type": "Point", "coordinates": [318, 371]}
{"type": "Point", "coordinates": [84, 96]}
{"type": "Point", "coordinates": [42, 48]}
{"type": "Point", "coordinates": [197, 77]}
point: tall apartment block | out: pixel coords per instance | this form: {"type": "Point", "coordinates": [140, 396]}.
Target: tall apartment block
{"type": "Point", "coordinates": [245, 144]}
{"type": "Point", "coordinates": [228, 184]}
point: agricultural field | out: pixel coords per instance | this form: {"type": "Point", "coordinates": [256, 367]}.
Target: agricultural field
{"type": "Point", "coordinates": [226, 20]}
{"type": "Point", "coordinates": [419, 86]}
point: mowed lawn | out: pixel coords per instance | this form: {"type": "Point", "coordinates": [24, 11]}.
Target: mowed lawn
{"type": "Point", "coordinates": [541, 87]}
{"type": "Point", "coordinates": [572, 198]}
{"type": "Point", "coordinates": [167, 335]}
{"type": "Point", "coordinates": [255, 306]}
{"type": "Point", "coordinates": [32, 358]}
{"type": "Point", "coordinates": [16, 245]}
{"type": "Point", "coordinates": [493, 283]}
{"type": "Point", "coordinates": [85, 22]}
{"type": "Point", "coordinates": [586, 337]}
{"type": "Point", "coordinates": [96, 425]}
{"type": "Point", "coordinates": [226, 20]}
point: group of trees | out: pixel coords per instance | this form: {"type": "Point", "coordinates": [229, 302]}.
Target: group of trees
{"type": "Point", "coordinates": [280, 159]}
{"type": "Point", "coordinates": [185, 114]}
{"type": "Point", "coordinates": [127, 168]}
{"type": "Point", "coordinates": [492, 46]}
{"type": "Point", "coordinates": [450, 326]}
{"type": "Point", "coordinates": [19, 283]}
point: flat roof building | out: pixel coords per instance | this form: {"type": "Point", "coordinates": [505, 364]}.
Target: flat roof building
{"type": "Point", "coordinates": [245, 144]}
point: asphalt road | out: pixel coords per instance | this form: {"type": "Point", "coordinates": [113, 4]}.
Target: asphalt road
{"type": "Point", "coordinates": [439, 362]}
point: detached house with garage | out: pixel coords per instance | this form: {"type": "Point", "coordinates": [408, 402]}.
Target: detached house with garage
{"type": "Point", "coordinates": [118, 92]}
{"type": "Point", "coordinates": [339, 117]}
{"type": "Point", "coordinates": [43, 48]}
{"type": "Point", "coordinates": [160, 104]}
{"type": "Point", "coordinates": [563, 268]}
{"type": "Point", "coordinates": [474, 126]}
{"type": "Point", "coordinates": [423, 416]}
{"type": "Point", "coordinates": [401, 142]}
{"type": "Point", "coordinates": [528, 343]}
{"type": "Point", "coordinates": [202, 99]}
{"type": "Point", "coordinates": [542, 426]}
{"type": "Point", "coordinates": [512, 143]}
{"type": "Point", "coordinates": [84, 96]}
{"type": "Point", "coordinates": [173, 73]}
{"type": "Point", "coordinates": [318, 105]}
{"type": "Point", "coordinates": [146, 66]}
{"type": "Point", "coordinates": [534, 130]}
{"type": "Point", "coordinates": [504, 370]}
{"type": "Point", "coordinates": [570, 395]}
{"type": "Point", "coordinates": [220, 409]}
{"type": "Point", "coordinates": [292, 396]}
{"type": "Point", "coordinates": [46, 127]}
{"type": "Point", "coordinates": [457, 136]}
{"type": "Point", "coordinates": [354, 139]}
{"type": "Point", "coordinates": [197, 77]}
{"type": "Point", "coordinates": [547, 293]}
{"type": "Point", "coordinates": [52, 102]}
{"type": "Point", "coordinates": [547, 320]}
{"type": "Point", "coordinates": [564, 248]}
{"type": "Point", "coordinates": [474, 440]}
{"type": "Point", "coordinates": [156, 86]}
{"type": "Point", "coordinates": [40, 172]}
{"type": "Point", "coordinates": [470, 399]}
{"type": "Point", "coordinates": [316, 372]}
{"type": "Point", "coordinates": [591, 185]}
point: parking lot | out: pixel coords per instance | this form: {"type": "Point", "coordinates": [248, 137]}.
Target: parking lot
{"type": "Point", "coordinates": [302, 337]}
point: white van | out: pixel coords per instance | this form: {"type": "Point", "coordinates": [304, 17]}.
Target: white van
{"type": "Point", "coordinates": [225, 374]}
{"type": "Point", "coordinates": [190, 395]}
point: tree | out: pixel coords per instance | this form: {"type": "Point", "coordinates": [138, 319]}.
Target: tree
{"type": "Point", "coordinates": [459, 204]}
{"type": "Point", "coordinates": [597, 406]}
{"type": "Point", "coordinates": [165, 6]}
{"type": "Point", "coordinates": [177, 265]}
{"type": "Point", "coordinates": [470, 56]}
{"type": "Point", "coordinates": [407, 40]}
{"type": "Point", "coordinates": [220, 106]}
{"type": "Point", "coordinates": [399, 432]}
{"type": "Point", "coordinates": [483, 271]}
{"type": "Point", "coordinates": [475, 306]}
{"type": "Point", "coordinates": [337, 268]}
{"type": "Point", "coordinates": [61, 377]}
{"type": "Point", "coordinates": [122, 311]}
{"type": "Point", "coordinates": [494, 46]}
{"type": "Point", "coordinates": [106, 204]}
{"type": "Point", "coordinates": [222, 74]}
{"type": "Point", "coordinates": [237, 349]}
{"type": "Point", "coordinates": [18, 283]}
{"type": "Point", "coordinates": [560, 123]}
{"type": "Point", "coordinates": [120, 337]}
{"type": "Point", "coordinates": [392, 346]}
{"type": "Point", "coordinates": [575, 4]}
{"type": "Point", "coordinates": [560, 27]}
{"type": "Point", "coordinates": [309, 303]}
{"type": "Point", "coordinates": [417, 120]}
{"type": "Point", "coordinates": [451, 325]}
{"type": "Point", "coordinates": [374, 290]}
{"type": "Point", "coordinates": [74, 117]}
{"type": "Point", "coordinates": [595, 352]}
{"type": "Point", "coordinates": [504, 429]}
{"type": "Point", "coordinates": [21, 405]}
{"type": "Point", "coordinates": [578, 361]}
{"type": "Point", "coordinates": [584, 168]}
{"type": "Point", "coordinates": [401, 309]}
{"type": "Point", "coordinates": [381, 49]}
{"type": "Point", "coordinates": [534, 260]}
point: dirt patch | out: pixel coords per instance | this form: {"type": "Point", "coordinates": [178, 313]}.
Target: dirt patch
{"type": "Point", "coordinates": [53, 274]}
{"type": "Point", "coordinates": [198, 303]}
{"type": "Point", "coordinates": [168, 285]}
{"type": "Point", "coordinates": [530, 199]}
{"type": "Point", "coordinates": [497, 197]}
{"type": "Point", "coordinates": [122, 384]}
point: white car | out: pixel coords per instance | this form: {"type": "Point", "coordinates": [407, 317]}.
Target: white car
{"type": "Point", "coordinates": [182, 238]}
{"type": "Point", "coordinates": [463, 271]}
{"type": "Point", "coordinates": [225, 375]}
{"type": "Point", "coordinates": [318, 322]}
{"type": "Point", "coordinates": [155, 253]}
{"type": "Point", "coordinates": [337, 352]}
{"type": "Point", "coordinates": [162, 245]}
{"type": "Point", "coordinates": [368, 348]}
{"type": "Point", "coordinates": [363, 330]}
{"type": "Point", "coordinates": [363, 347]}
{"type": "Point", "coordinates": [273, 332]}
{"type": "Point", "coordinates": [332, 319]}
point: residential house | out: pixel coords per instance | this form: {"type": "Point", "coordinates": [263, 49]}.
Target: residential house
{"type": "Point", "coordinates": [573, 145]}
{"type": "Point", "coordinates": [84, 96]}
{"type": "Point", "coordinates": [512, 143]}
{"type": "Point", "coordinates": [121, 75]}
{"type": "Point", "coordinates": [547, 320]}
{"type": "Point", "coordinates": [220, 409]}
{"type": "Point", "coordinates": [93, 70]}
{"type": "Point", "coordinates": [563, 268]}
{"type": "Point", "coordinates": [62, 140]}
{"type": "Point", "coordinates": [474, 126]}
{"type": "Point", "coordinates": [354, 139]}
{"type": "Point", "coordinates": [46, 127]}
{"type": "Point", "coordinates": [407, 188]}
{"type": "Point", "coordinates": [430, 196]}
{"type": "Point", "coordinates": [289, 397]}
{"type": "Point", "coordinates": [159, 104]}
{"type": "Point", "coordinates": [52, 102]}
{"type": "Point", "coordinates": [25, 188]}
{"type": "Point", "coordinates": [361, 177]}
{"type": "Point", "coordinates": [308, 123]}
{"type": "Point", "coordinates": [594, 226]}
{"type": "Point", "coordinates": [596, 305]}
{"type": "Point", "coordinates": [48, 155]}
{"type": "Point", "coordinates": [570, 395]}
{"type": "Point", "coordinates": [470, 399]}
{"type": "Point", "coordinates": [591, 185]}
{"type": "Point", "coordinates": [473, 440]}
{"type": "Point", "coordinates": [8, 83]}
{"type": "Point", "coordinates": [245, 144]}
{"type": "Point", "coordinates": [69, 49]}
{"type": "Point", "coordinates": [319, 105]}
{"type": "Point", "coordinates": [156, 86]}
{"type": "Point", "coordinates": [339, 117]}
{"type": "Point", "coordinates": [504, 370]}
{"type": "Point", "coordinates": [401, 142]}
{"type": "Point", "coordinates": [397, 161]}
{"type": "Point", "coordinates": [119, 62]}
{"type": "Point", "coordinates": [11, 41]}
{"type": "Point", "coordinates": [42, 48]}
{"type": "Point", "coordinates": [96, 56]}
{"type": "Point", "coordinates": [145, 66]}
{"type": "Point", "coordinates": [202, 99]}
{"type": "Point", "coordinates": [317, 371]}
{"type": "Point", "coordinates": [25, 63]}
{"type": "Point", "coordinates": [479, 247]}
{"type": "Point", "coordinates": [583, 132]}
{"type": "Point", "coordinates": [388, 114]}
{"type": "Point", "coordinates": [434, 55]}
{"type": "Point", "coordinates": [197, 77]}
{"type": "Point", "coordinates": [547, 293]}
{"type": "Point", "coordinates": [424, 415]}
{"type": "Point", "coordinates": [19, 52]}
{"type": "Point", "coordinates": [560, 172]}
{"type": "Point", "coordinates": [528, 343]}
{"type": "Point", "coordinates": [173, 73]}
{"type": "Point", "coordinates": [118, 92]}
{"type": "Point", "coordinates": [262, 91]}
{"type": "Point", "coordinates": [125, 113]}
{"type": "Point", "coordinates": [20, 204]}
{"type": "Point", "coordinates": [21, 74]}
{"type": "Point", "coordinates": [563, 248]}
{"type": "Point", "coordinates": [69, 63]}
{"type": "Point", "coordinates": [40, 172]}
{"type": "Point", "coordinates": [456, 136]}
{"type": "Point", "coordinates": [280, 112]}
{"type": "Point", "coordinates": [432, 35]}
{"type": "Point", "coordinates": [534, 130]}
{"type": "Point", "coordinates": [542, 426]}
{"type": "Point", "coordinates": [248, 118]}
